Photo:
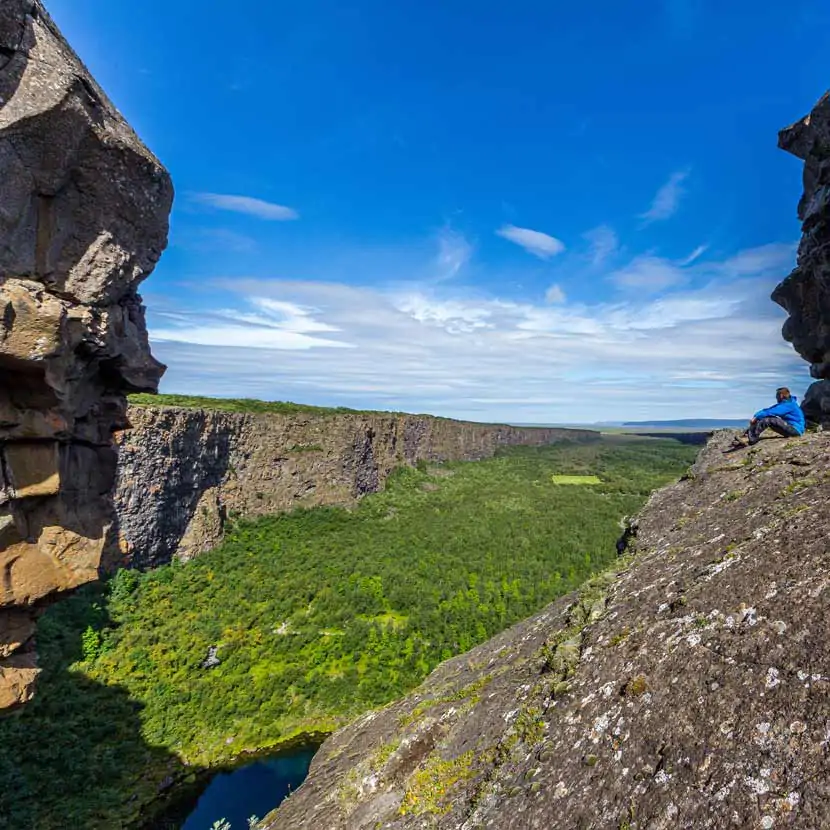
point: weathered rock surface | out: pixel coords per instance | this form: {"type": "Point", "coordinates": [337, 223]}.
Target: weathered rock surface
{"type": "Point", "coordinates": [83, 219]}
{"type": "Point", "coordinates": [691, 690]}
{"type": "Point", "coordinates": [805, 294]}
{"type": "Point", "coordinates": [183, 472]}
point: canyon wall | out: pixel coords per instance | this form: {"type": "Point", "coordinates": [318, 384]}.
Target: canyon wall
{"type": "Point", "coordinates": [83, 219]}
{"type": "Point", "coordinates": [183, 472]}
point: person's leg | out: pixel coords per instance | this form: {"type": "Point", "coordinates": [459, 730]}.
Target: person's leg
{"type": "Point", "coordinates": [773, 422]}
{"type": "Point", "coordinates": [781, 427]}
{"type": "Point", "coordinates": [753, 434]}
{"type": "Point", "coordinates": [741, 440]}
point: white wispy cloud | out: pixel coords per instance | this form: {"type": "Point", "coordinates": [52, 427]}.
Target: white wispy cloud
{"type": "Point", "coordinates": [774, 260]}
{"type": "Point", "coordinates": [454, 252]}
{"type": "Point", "coordinates": [457, 352]}
{"type": "Point", "coordinates": [555, 294]}
{"type": "Point", "coordinates": [263, 323]}
{"type": "Point", "coordinates": [248, 205]}
{"type": "Point", "coordinates": [694, 255]}
{"type": "Point", "coordinates": [667, 199]}
{"type": "Point", "coordinates": [537, 243]}
{"type": "Point", "coordinates": [453, 316]}
{"type": "Point", "coordinates": [214, 239]}
{"type": "Point", "coordinates": [604, 243]}
{"type": "Point", "coordinates": [649, 274]}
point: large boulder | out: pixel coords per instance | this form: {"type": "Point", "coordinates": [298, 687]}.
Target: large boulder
{"type": "Point", "coordinates": [805, 293]}
{"type": "Point", "coordinates": [83, 220]}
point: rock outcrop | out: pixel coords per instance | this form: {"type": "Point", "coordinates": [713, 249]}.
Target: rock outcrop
{"type": "Point", "coordinates": [183, 472]}
{"type": "Point", "coordinates": [83, 219]}
{"type": "Point", "coordinates": [805, 294]}
{"type": "Point", "coordinates": [689, 690]}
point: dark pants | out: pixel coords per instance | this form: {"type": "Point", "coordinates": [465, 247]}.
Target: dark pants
{"type": "Point", "coordinates": [774, 423]}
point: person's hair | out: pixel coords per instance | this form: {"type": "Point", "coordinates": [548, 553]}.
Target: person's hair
{"type": "Point", "coordinates": [782, 393]}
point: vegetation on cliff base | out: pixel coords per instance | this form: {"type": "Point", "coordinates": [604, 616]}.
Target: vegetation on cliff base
{"type": "Point", "coordinates": [315, 616]}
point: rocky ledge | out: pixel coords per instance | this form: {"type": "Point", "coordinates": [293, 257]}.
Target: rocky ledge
{"type": "Point", "coordinates": [83, 219]}
{"type": "Point", "coordinates": [689, 689]}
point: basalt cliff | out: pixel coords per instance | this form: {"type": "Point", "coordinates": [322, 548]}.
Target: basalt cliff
{"type": "Point", "coordinates": [182, 473]}
{"type": "Point", "coordinates": [687, 688]}
{"type": "Point", "coordinates": [805, 294]}
{"type": "Point", "coordinates": [83, 219]}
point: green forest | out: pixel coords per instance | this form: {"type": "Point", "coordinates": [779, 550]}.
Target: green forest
{"type": "Point", "coordinates": [313, 616]}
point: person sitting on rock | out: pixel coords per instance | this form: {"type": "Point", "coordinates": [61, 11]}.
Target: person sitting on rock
{"type": "Point", "coordinates": [785, 418]}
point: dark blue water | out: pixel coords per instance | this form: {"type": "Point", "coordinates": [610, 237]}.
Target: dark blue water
{"type": "Point", "coordinates": [255, 789]}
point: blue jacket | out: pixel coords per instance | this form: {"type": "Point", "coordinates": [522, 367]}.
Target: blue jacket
{"type": "Point", "coordinates": [789, 411]}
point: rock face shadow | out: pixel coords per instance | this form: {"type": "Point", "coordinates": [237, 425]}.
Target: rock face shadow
{"type": "Point", "coordinates": [75, 756]}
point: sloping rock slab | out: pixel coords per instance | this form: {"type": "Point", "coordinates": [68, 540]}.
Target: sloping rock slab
{"type": "Point", "coordinates": [690, 690]}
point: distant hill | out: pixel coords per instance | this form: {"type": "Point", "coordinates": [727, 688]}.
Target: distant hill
{"type": "Point", "coordinates": [688, 423]}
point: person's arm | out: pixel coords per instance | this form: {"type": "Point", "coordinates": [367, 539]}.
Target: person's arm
{"type": "Point", "coordinates": [770, 411]}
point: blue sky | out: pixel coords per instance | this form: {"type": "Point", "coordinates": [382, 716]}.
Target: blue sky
{"type": "Point", "coordinates": [528, 211]}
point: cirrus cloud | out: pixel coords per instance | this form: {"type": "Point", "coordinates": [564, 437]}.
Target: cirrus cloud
{"type": "Point", "coordinates": [248, 205]}
{"type": "Point", "coordinates": [537, 243]}
{"type": "Point", "coordinates": [555, 294]}
{"type": "Point", "coordinates": [667, 199]}
{"type": "Point", "coordinates": [604, 243]}
{"type": "Point", "coordinates": [452, 350]}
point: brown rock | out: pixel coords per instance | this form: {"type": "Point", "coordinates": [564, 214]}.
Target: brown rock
{"type": "Point", "coordinates": [32, 469]}
{"type": "Point", "coordinates": [83, 219]}
{"type": "Point", "coordinates": [29, 574]}
{"type": "Point", "coordinates": [16, 629]}
{"type": "Point", "coordinates": [34, 321]}
{"type": "Point", "coordinates": [18, 676]}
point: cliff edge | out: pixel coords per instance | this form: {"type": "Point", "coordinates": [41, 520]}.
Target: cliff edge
{"type": "Point", "coordinates": [83, 219]}
{"type": "Point", "coordinates": [688, 690]}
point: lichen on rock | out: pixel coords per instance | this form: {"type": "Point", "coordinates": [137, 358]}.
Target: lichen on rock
{"type": "Point", "coordinates": [83, 219]}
